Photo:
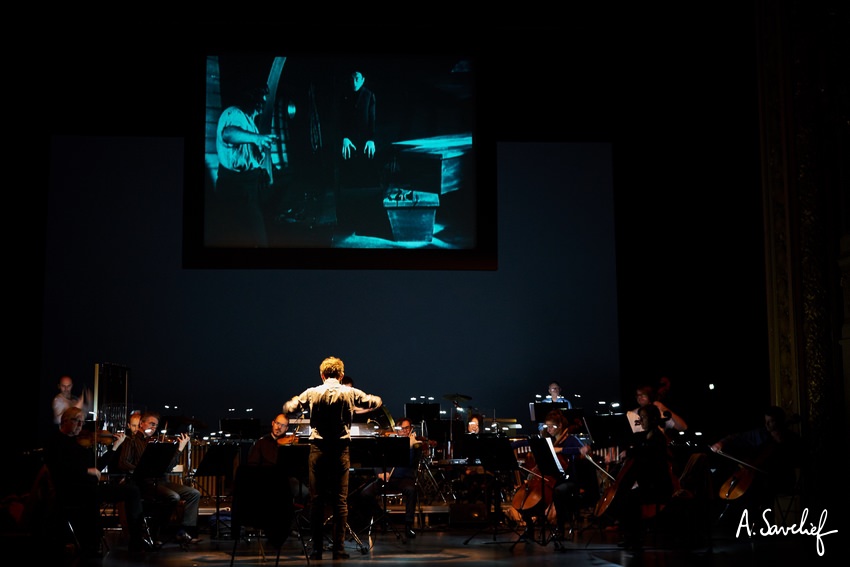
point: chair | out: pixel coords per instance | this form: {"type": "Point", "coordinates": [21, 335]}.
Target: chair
{"type": "Point", "coordinates": [50, 519]}
{"type": "Point", "coordinates": [262, 506]}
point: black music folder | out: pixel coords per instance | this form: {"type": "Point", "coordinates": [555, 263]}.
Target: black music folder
{"type": "Point", "coordinates": [609, 430]}
{"type": "Point", "coordinates": [155, 461]}
{"type": "Point", "coordinates": [293, 460]}
{"type": "Point", "coordinates": [380, 452]}
{"type": "Point", "coordinates": [493, 452]}
{"type": "Point", "coordinates": [218, 461]}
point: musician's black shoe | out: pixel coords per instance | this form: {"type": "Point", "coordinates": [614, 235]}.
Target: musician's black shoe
{"type": "Point", "coordinates": [340, 554]}
{"type": "Point", "coordinates": [316, 556]}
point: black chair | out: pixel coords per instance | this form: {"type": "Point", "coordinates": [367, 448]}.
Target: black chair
{"type": "Point", "coordinates": [262, 506]}
{"type": "Point", "coordinates": [54, 518]}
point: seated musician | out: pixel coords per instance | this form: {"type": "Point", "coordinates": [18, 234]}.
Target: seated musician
{"type": "Point", "coordinates": [265, 451]}
{"type": "Point", "coordinates": [645, 483]}
{"type": "Point", "coordinates": [773, 452]}
{"type": "Point", "coordinates": [75, 470]}
{"type": "Point", "coordinates": [161, 490]}
{"type": "Point", "coordinates": [397, 479]}
{"type": "Point", "coordinates": [554, 396]}
{"type": "Point", "coordinates": [566, 491]}
{"type": "Point", "coordinates": [473, 482]}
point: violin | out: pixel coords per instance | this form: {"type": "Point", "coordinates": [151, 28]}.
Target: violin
{"type": "Point", "coordinates": [91, 438]}
{"type": "Point", "coordinates": [287, 440]}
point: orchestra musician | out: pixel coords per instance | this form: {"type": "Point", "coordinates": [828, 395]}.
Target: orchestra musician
{"type": "Point", "coordinates": [768, 458]}
{"type": "Point", "coordinates": [647, 394]}
{"type": "Point", "coordinates": [66, 399]}
{"type": "Point", "coordinates": [160, 490]}
{"type": "Point", "coordinates": [554, 396]}
{"type": "Point", "coordinates": [75, 470]}
{"type": "Point", "coordinates": [331, 407]}
{"type": "Point", "coordinates": [564, 493]}
{"type": "Point", "coordinates": [645, 482]}
{"type": "Point", "coordinates": [265, 451]}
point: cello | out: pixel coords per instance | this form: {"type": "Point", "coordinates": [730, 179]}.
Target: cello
{"type": "Point", "coordinates": [539, 487]}
{"type": "Point", "coordinates": [740, 481]}
{"type": "Point", "coordinates": [534, 488]}
{"type": "Point", "coordinates": [624, 475]}
{"type": "Point", "coordinates": [634, 467]}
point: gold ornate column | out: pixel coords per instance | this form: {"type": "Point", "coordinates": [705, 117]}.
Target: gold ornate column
{"type": "Point", "coordinates": [799, 80]}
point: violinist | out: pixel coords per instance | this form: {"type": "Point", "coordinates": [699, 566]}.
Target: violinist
{"type": "Point", "coordinates": [264, 452]}
{"type": "Point", "coordinates": [76, 473]}
{"type": "Point", "coordinates": [161, 491]}
{"type": "Point", "coordinates": [565, 492]}
{"type": "Point", "coordinates": [767, 458]}
{"type": "Point", "coordinates": [133, 422]}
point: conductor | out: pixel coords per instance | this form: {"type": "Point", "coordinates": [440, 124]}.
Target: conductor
{"type": "Point", "coordinates": [331, 408]}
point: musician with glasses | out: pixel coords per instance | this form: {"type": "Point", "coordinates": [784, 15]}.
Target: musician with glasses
{"type": "Point", "coordinates": [160, 490]}
{"type": "Point", "coordinates": [554, 396]}
{"type": "Point", "coordinates": [266, 449]}
{"type": "Point", "coordinates": [75, 469]}
{"type": "Point", "coordinates": [565, 492]}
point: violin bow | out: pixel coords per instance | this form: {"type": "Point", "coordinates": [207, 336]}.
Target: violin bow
{"type": "Point", "coordinates": [590, 458]}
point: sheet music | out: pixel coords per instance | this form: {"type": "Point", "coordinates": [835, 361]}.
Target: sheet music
{"type": "Point", "coordinates": [554, 456]}
{"type": "Point", "coordinates": [634, 421]}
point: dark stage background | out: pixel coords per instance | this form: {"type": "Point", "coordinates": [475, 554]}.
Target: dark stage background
{"type": "Point", "coordinates": [661, 277]}
{"type": "Point", "coordinates": [212, 341]}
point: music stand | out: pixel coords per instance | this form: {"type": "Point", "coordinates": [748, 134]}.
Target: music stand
{"type": "Point", "coordinates": [156, 461]}
{"type": "Point", "coordinates": [385, 453]}
{"type": "Point", "coordinates": [549, 466]}
{"type": "Point", "coordinates": [293, 461]}
{"type": "Point", "coordinates": [218, 462]}
{"type": "Point", "coordinates": [497, 456]}
{"type": "Point", "coordinates": [609, 430]}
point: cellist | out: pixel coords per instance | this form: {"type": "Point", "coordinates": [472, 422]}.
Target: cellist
{"type": "Point", "coordinates": [645, 483]}
{"type": "Point", "coordinates": [769, 454]}
{"type": "Point", "coordinates": [563, 493]}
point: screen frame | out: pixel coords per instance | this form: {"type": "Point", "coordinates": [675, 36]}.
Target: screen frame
{"type": "Point", "coordinates": [196, 254]}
